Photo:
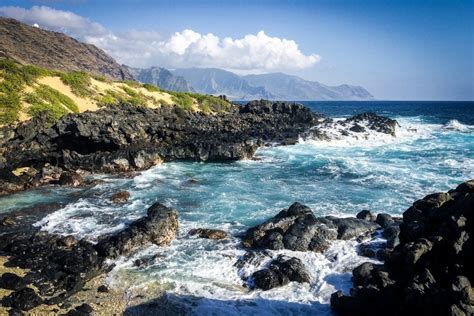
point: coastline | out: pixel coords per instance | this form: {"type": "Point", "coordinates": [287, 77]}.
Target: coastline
{"type": "Point", "coordinates": [122, 242]}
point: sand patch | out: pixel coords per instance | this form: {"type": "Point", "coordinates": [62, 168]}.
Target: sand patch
{"type": "Point", "coordinates": [84, 104]}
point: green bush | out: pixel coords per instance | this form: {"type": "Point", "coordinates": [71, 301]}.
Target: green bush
{"type": "Point", "coordinates": [108, 99]}
{"type": "Point", "coordinates": [130, 91]}
{"type": "Point", "coordinates": [209, 102]}
{"type": "Point", "coordinates": [131, 83]}
{"type": "Point", "coordinates": [78, 81]}
{"type": "Point", "coordinates": [101, 78]}
{"type": "Point", "coordinates": [45, 98]}
{"type": "Point", "coordinates": [182, 99]}
{"type": "Point", "coordinates": [151, 88]}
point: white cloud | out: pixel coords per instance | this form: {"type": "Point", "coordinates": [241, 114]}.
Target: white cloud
{"type": "Point", "coordinates": [252, 53]}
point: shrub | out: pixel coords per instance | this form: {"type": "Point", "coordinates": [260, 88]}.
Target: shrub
{"type": "Point", "coordinates": [78, 81]}
{"type": "Point", "coordinates": [130, 91]}
{"type": "Point", "coordinates": [131, 83]}
{"type": "Point", "coordinates": [47, 99]}
{"type": "Point", "coordinates": [182, 99]}
{"type": "Point", "coordinates": [151, 87]}
{"type": "Point", "coordinates": [210, 103]}
{"type": "Point", "coordinates": [107, 100]}
{"type": "Point", "coordinates": [100, 78]}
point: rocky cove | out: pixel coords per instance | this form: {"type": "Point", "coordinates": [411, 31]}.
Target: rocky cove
{"type": "Point", "coordinates": [126, 139]}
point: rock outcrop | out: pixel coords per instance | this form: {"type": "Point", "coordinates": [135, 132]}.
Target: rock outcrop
{"type": "Point", "coordinates": [59, 266]}
{"type": "Point", "coordinates": [430, 271]}
{"type": "Point", "coordinates": [281, 271]}
{"type": "Point", "coordinates": [296, 228]}
{"type": "Point", "coordinates": [126, 137]}
{"type": "Point", "coordinates": [158, 227]}
{"type": "Point", "coordinates": [215, 234]}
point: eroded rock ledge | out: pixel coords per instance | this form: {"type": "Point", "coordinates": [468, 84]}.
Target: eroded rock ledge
{"type": "Point", "coordinates": [430, 272]}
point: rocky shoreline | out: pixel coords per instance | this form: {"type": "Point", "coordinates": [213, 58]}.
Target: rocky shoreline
{"type": "Point", "coordinates": [427, 254]}
{"type": "Point", "coordinates": [125, 138]}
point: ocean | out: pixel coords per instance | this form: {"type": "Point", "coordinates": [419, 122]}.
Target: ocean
{"type": "Point", "coordinates": [432, 151]}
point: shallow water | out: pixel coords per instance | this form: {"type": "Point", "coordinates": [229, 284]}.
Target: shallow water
{"type": "Point", "coordinates": [433, 151]}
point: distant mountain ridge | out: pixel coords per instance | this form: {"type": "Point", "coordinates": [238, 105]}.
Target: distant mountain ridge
{"type": "Point", "coordinates": [162, 78]}
{"type": "Point", "coordinates": [288, 87]}
{"type": "Point", "coordinates": [217, 81]}
{"type": "Point", "coordinates": [272, 86]}
{"type": "Point", "coordinates": [33, 45]}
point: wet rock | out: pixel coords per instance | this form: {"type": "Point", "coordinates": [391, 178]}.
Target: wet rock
{"type": "Point", "coordinates": [146, 261]}
{"type": "Point", "coordinates": [384, 220]}
{"type": "Point", "coordinates": [366, 215]}
{"type": "Point", "coordinates": [374, 122]}
{"type": "Point", "coordinates": [24, 299]}
{"type": "Point", "coordinates": [215, 234]}
{"type": "Point", "coordinates": [391, 234]}
{"type": "Point", "coordinates": [158, 227]}
{"type": "Point", "coordinates": [71, 179]}
{"type": "Point", "coordinates": [348, 228]}
{"type": "Point", "coordinates": [298, 229]}
{"type": "Point", "coordinates": [120, 197]}
{"type": "Point", "coordinates": [430, 271]}
{"type": "Point", "coordinates": [280, 272]}
{"type": "Point", "coordinates": [252, 258]}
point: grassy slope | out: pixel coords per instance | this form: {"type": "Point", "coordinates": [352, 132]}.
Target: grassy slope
{"type": "Point", "coordinates": [27, 90]}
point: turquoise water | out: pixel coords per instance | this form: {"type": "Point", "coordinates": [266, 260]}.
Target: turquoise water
{"type": "Point", "coordinates": [433, 151]}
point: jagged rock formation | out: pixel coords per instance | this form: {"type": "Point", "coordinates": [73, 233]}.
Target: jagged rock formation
{"type": "Point", "coordinates": [158, 227]}
{"type": "Point", "coordinates": [126, 138]}
{"type": "Point", "coordinates": [52, 50]}
{"type": "Point", "coordinates": [296, 228]}
{"type": "Point", "coordinates": [430, 272]}
{"type": "Point", "coordinates": [59, 266]}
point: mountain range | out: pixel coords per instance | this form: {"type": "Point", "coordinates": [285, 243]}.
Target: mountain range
{"type": "Point", "coordinates": [52, 50]}
{"type": "Point", "coordinates": [272, 86]}
{"type": "Point", "coordinates": [162, 78]}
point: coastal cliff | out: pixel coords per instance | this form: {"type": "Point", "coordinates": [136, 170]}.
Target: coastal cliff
{"type": "Point", "coordinates": [32, 45]}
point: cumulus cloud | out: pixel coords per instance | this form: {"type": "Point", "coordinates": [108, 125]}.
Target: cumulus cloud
{"type": "Point", "coordinates": [253, 53]}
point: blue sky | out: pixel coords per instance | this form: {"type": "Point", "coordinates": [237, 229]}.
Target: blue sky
{"type": "Point", "coordinates": [402, 50]}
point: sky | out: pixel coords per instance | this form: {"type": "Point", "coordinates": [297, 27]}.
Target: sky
{"type": "Point", "coordinates": [397, 50]}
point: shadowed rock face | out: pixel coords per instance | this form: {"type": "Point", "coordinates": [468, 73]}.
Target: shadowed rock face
{"type": "Point", "coordinates": [430, 272]}
{"type": "Point", "coordinates": [296, 228]}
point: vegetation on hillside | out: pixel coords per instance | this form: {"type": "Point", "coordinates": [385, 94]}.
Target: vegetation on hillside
{"type": "Point", "coordinates": [22, 92]}
{"type": "Point", "coordinates": [47, 99]}
{"type": "Point", "coordinates": [13, 78]}
{"type": "Point", "coordinates": [78, 81]}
